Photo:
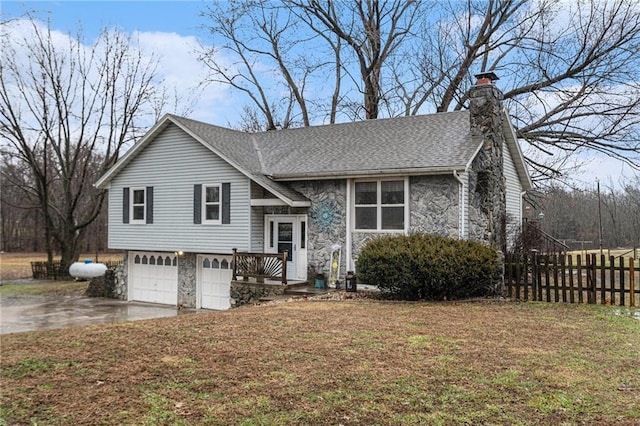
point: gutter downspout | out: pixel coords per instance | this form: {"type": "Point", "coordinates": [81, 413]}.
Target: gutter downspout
{"type": "Point", "coordinates": [347, 239]}
{"type": "Point", "coordinates": [461, 202]}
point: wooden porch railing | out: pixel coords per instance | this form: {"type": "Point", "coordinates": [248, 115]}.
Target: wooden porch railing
{"type": "Point", "coordinates": [260, 266]}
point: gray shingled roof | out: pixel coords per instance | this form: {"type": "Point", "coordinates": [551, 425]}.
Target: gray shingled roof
{"type": "Point", "coordinates": [435, 142]}
{"type": "Point", "coordinates": [428, 142]}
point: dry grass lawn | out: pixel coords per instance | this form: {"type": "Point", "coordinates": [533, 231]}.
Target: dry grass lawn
{"type": "Point", "coordinates": [348, 362]}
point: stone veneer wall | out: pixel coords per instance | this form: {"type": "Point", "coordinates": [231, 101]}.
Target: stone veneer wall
{"type": "Point", "coordinates": [113, 283]}
{"type": "Point", "coordinates": [243, 293]}
{"type": "Point", "coordinates": [327, 222]}
{"type": "Point", "coordinates": [487, 186]}
{"type": "Point", "coordinates": [434, 205]}
{"type": "Point", "coordinates": [433, 209]}
{"type": "Point", "coordinates": [187, 273]}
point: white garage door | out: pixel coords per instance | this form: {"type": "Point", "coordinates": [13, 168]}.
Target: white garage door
{"type": "Point", "coordinates": [214, 274]}
{"type": "Point", "coordinates": [153, 277]}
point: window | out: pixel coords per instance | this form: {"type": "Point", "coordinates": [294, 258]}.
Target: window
{"type": "Point", "coordinates": [211, 201]}
{"type": "Point", "coordinates": [138, 207]}
{"type": "Point", "coordinates": [380, 205]}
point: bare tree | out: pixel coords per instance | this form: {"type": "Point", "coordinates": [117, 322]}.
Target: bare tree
{"type": "Point", "coordinates": [66, 113]}
{"type": "Point", "coordinates": [569, 70]}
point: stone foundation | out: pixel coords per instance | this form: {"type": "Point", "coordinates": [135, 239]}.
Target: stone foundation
{"type": "Point", "coordinates": [113, 284]}
{"type": "Point", "coordinates": [243, 293]}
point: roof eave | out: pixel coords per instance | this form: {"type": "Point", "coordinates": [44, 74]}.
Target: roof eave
{"type": "Point", "coordinates": [351, 174]}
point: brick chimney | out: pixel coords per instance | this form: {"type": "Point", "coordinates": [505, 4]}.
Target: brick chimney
{"type": "Point", "coordinates": [487, 210]}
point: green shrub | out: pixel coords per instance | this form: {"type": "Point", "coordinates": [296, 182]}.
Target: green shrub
{"type": "Point", "coordinates": [428, 267]}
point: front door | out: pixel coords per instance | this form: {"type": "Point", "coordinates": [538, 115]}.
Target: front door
{"type": "Point", "coordinates": [288, 233]}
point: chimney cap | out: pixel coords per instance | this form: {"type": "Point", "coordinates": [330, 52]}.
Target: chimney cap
{"type": "Point", "coordinates": [491, 76]}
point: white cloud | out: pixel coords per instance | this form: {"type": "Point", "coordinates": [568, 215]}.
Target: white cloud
{"type": "Point", "coordinates": [179, 67]}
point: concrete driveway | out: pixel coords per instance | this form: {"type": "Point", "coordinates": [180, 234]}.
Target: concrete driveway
{"type": "Point", "coordinates": [31, 313]}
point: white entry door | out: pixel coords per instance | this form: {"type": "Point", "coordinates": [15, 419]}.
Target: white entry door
{"type": "Point", "coordinates": [288, 232]}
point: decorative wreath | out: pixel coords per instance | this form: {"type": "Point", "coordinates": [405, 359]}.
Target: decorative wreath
{"type": "Point", "coordinates": [325, 215]}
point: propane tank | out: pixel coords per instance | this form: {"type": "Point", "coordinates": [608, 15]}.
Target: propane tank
{"type": "Point", "coordinates": [87, 269]}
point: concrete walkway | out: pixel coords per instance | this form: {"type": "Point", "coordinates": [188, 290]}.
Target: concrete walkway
{"type": "Point", "coordinates": [31, 313]}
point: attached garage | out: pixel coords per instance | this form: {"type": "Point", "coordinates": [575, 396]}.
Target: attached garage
{"type": "Point", "coordinates": [214, 281]}
{"type": "Point", "coordinates": [153, 277]}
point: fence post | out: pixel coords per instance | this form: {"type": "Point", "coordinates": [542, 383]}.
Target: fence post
{"type": "Point", "coordinates": [284, 267]}
{"type": "Point", "coordinates": [234, 264]}
{"type": "Point", "coordinates": [534, 275]}
{"type": "Point", "coordinates": [591, 278]}
{"type": "Point", "coordinates": [563, 278]}
{"type": "Point", "coordinates": [632, 283]}
{"type": "Point", "coordinates": [622, 302]}
{"type": "Point", "coordinates": [547, 277]}
{"type": "Point", "coordinates": [507, 273]}
{"type": "Point", "coordinates": [556, 286]}
{"type": "Point", "coordinates": [518, 277]}
{"type": "Point", "coordinates": [612, 279]}
{"type": "Point", "coordinates": [580, 289]}
{"type": "Point", "coordinates": [539, 277]}
{"type": "Point", "coordinates": [525, 281]}
{"type": "Point", "coordinates": [603, 279]}
{"type": "Point", "coordinates": [571, 286]}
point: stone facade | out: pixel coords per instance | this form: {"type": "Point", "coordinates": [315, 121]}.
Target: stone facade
{"type": "Point", "coordinates": [487, 186]}
{"type": "Point", "coordinates": [187, 273]}
{"type": "Point", "coordinates": [243, 293]}
{"type": "Point", "coordinates": [113, 284]}
{"type": "Point", "coordinates": [434, 205]}
{"type": "Point", "coordinates": [327, 222]}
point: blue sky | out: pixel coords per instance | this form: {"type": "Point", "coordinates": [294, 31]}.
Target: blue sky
{"type": "Point", "coordinates": [172, 30]}
{"type": "Point", "coordinates": [168, 16]}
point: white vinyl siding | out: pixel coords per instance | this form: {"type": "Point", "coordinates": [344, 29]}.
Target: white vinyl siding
{"type": "Point", "coordinates": [257, 229]}
{"type": "Point", "coordinates": [172, 164]}
{"type": "Point", "coordinates": [513, 196]}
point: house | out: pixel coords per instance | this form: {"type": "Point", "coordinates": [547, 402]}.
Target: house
{"type": "Point", "coordinates": [188, 193]}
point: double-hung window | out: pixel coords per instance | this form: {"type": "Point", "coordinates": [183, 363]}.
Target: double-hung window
{"type": "Point", "coordinates": [211, 203]}
{"type": "Point", "coordinates": [380, 205]}
{"type": "Point", "coordinates": [138, 205]}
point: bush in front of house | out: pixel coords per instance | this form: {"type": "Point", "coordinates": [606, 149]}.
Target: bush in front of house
{"type": "Point", "coordinates": [428, 267]}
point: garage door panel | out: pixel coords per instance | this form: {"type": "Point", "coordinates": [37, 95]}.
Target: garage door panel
{"type": "Point", "coordinates": [154, 280]}
{"type": "Point", "coordinates": [214, 273]}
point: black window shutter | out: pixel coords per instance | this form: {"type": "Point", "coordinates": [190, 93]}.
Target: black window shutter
{"type": "Point", "coordinates": [149, 205]}
{"type": "Point", "coordinates": [125, 205]}
{"type": "Point", "coordinates": [197, 204]}
{"type": "Point", "coordinates": [226, 203]}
